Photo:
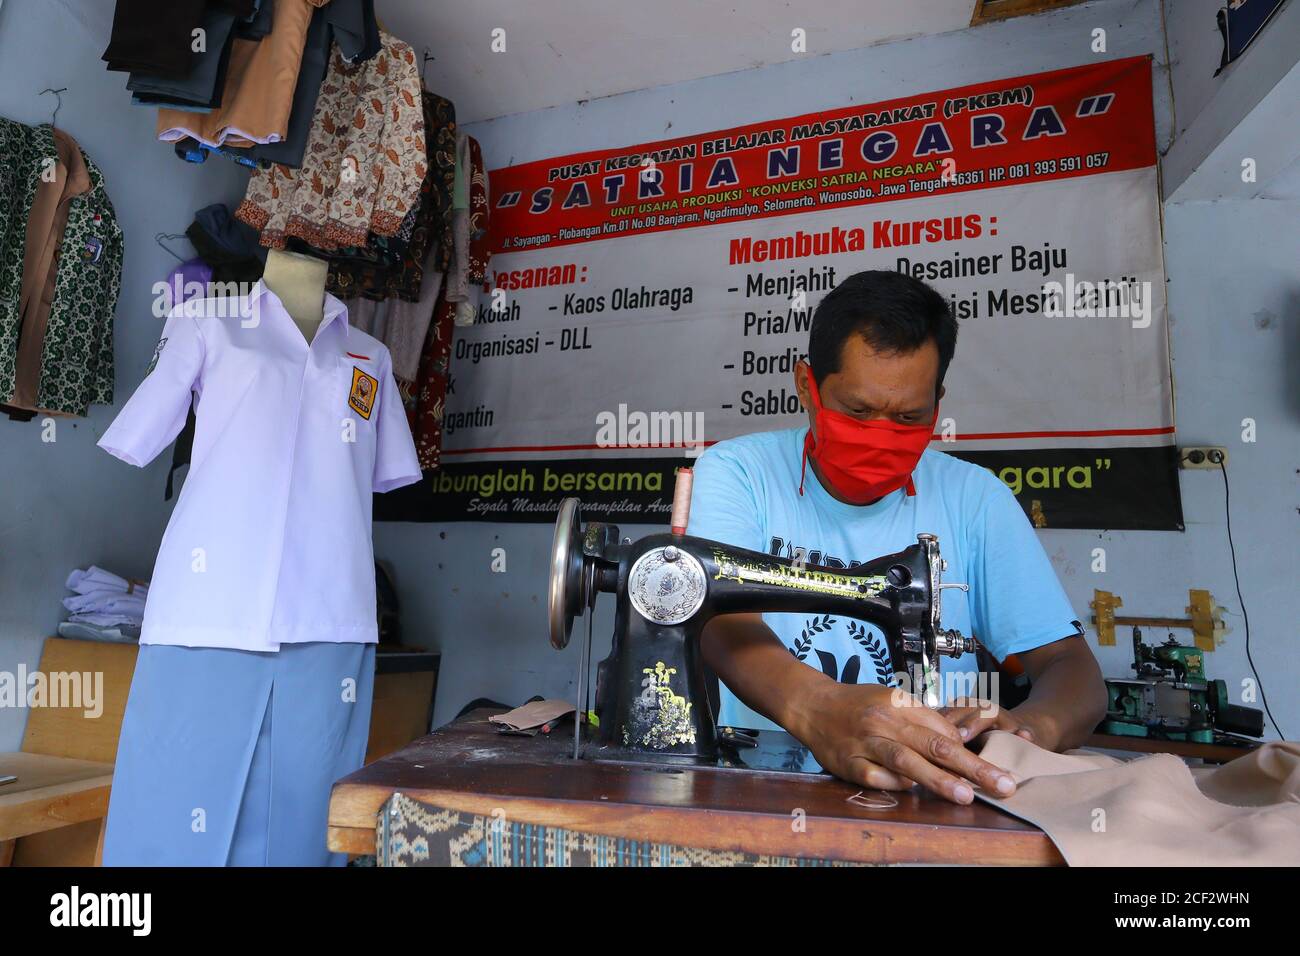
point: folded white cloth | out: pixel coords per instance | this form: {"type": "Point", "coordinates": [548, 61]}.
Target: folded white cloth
{"type": "Point", "coordinates": [104, 599]}
{"type": "Point", "coordinates": [107, 602]}
{"type": "Point", "coordinates": [120, 634]}
{"type": "Point", "coordinates": [107, 620]}
{"type": "Point", "coordinates": [97, 579]}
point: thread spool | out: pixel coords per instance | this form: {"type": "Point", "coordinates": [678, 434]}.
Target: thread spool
{"type": "Point", "coordinates": [682, 500]}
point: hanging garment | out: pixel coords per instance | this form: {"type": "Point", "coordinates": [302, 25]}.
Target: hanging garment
{"type": "Point", "coordinates": [227, 757]}
{"type": "Point", "coordinates": [408, 326]}
{"type": "Point", "coordinates": [394, 267]}
{"type": "Point", "coordinates": [457, 284]}
{"type": "Point", "coordinates": [442, 161]}
{"type": "Point", "coordinates": [231, 236]}
{"type": "Point", "coordinates": [56, 346]}
{"type": "Point", "coordinates": [46, 221]}
{"type": "Point", "coordinates": [154, 36]}
{"type": "Point", "coordinates": [227, 245]}
{"type": "Point", "coordinates": [291, 440]}
{"type": "Point", "coordinates": [25, 151]}
{"type": "Point", "coordinates": [480, 247]}
{"type": "Point", "coordinates": [259, 24]}
{"type": "Point", "coordinates": [198, 89]}
{"type": "Point", "coordinates": [402, 326]}
{"type": "Point", "coordinates": [226, 238]}
{"type": "Point", "coordinates": [365, 158]}
{"type": "Point", "coordinates": [470, 251]}
{"type": "Point", "coordinates": [1156, 811]}
{"type": "Point", "coordinates": [430, 390]}
{"type": "Point", "coordinates": [368, 315]}
{"type": "Point", "coordinates": [257, 97]}
{"type": "Point", "coordinates": [355, 29]}
{"type": "Point", "coordinates": [352, 25]}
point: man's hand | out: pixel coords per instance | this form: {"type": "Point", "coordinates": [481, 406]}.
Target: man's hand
{"type": "Point", "coordinates": [973, 716]}
{"type": "Point", "coordinates": [880, 738]}
{"type": "Point", "coordinates": [867, 734]}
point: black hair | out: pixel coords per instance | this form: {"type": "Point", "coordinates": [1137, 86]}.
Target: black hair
{"type": "Point", "coordinates": [892, 311]}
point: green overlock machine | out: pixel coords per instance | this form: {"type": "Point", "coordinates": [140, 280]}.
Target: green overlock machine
{"type": "Point", "coordinates": [1170, 698]}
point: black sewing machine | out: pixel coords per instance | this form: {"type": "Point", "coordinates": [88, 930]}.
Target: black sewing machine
{"type": "Point", "coordinates": [651, 697]}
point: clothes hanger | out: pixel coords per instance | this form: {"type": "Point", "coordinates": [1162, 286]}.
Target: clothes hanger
{"type": "Point", "coordinates": [63, 89]}
{"type": "Point", "coordinates": [425, 65]}
{"type": "Point", "coordinates": [160, 236]}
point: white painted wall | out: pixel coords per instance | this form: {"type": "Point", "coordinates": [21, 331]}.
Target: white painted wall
{"type": "Point", "coordinates": [561, 51]}
{"type": "Point", "coordinates": [1246, 112]}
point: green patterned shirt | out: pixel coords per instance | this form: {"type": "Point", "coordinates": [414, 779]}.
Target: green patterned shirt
{"type": "Point", "coordinates": [77, 353]}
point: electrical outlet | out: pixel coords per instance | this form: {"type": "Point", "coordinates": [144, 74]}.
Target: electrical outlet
{"type": "Point", "coordinates": [1202, 456]}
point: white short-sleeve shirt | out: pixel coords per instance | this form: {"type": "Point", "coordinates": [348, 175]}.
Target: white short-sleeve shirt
{"type": "Point", "coordinates": [270, 541]}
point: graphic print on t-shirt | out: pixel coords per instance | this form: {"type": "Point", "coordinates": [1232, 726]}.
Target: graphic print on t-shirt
{"type": "Point", "coordinates": [875, 651]}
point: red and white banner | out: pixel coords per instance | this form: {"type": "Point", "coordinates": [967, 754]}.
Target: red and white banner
{"type": "Point", "coordinates": [650, 300]}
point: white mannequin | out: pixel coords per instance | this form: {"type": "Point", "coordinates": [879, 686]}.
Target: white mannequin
{"type": "Point", "coordinates": [299, 281]}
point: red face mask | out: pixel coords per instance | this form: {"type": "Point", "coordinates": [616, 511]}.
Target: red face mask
{"type": "Point", "coordinates": [861, 460]}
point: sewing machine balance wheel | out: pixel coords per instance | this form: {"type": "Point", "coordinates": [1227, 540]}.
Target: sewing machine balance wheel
{"type": "Point", "coordinates": [569, 590]}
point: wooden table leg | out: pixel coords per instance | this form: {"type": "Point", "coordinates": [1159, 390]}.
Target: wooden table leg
{"type": "Point", "coordinates": [99, 844]}
{"type": "Point", "coordinates": [7, 851]}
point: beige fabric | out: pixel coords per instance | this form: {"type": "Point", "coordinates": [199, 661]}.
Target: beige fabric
{"type": "Point", "coordinates": [1156, 811]}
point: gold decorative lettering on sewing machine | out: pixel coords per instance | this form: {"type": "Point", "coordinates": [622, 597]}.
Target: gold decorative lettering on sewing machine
{"type": "Point", "coordinates": [801, 578]}
{"type": "Point", "coordinates": [652, 699]}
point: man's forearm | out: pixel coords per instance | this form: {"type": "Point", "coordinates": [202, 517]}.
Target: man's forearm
{"type": "Point", "coordinates": [757, 668]}
{"type": "Point", "coordinates": [1068, 698]}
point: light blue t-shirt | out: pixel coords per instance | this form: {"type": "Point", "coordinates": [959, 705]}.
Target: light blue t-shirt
{"type": "Point", "coordinates": [746, 493]}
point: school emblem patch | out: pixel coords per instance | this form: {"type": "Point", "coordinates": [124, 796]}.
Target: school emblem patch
{"type": "Point", "coordinates": [362, 397]}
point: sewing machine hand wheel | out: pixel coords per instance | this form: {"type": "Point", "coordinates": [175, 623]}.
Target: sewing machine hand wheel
{"type": "Point", "coordinates": [568, 594]}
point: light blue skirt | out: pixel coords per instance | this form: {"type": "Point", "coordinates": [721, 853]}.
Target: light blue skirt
{"type": "Point", "coordinates": [227, 757]}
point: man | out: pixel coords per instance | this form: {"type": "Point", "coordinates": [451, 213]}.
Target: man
{"type": "Point", "coordinates": [861, 482]}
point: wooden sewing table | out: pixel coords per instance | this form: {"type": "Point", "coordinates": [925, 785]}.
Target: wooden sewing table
{"type": "Point", "coordinates": [469, 766]}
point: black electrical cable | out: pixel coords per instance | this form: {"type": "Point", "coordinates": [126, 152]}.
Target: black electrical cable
{"type": "Point", "coordinates": [1227, 509]}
